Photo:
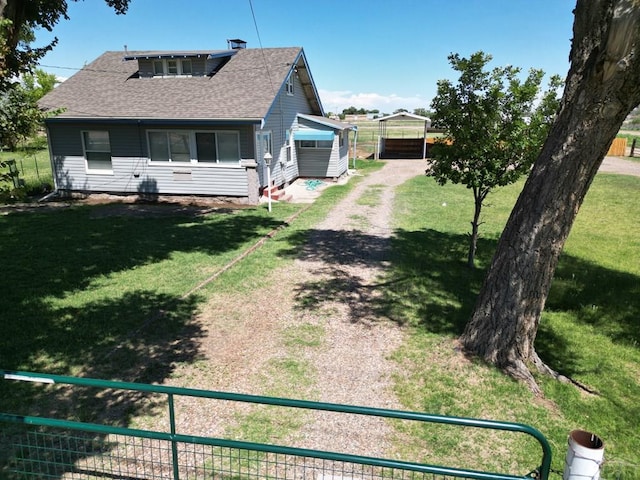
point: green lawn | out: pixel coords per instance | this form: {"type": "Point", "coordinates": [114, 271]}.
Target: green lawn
{"type": "Point", "coordinates": [34, 167]}
{"type": "Point", "coordinates": [589, 330]}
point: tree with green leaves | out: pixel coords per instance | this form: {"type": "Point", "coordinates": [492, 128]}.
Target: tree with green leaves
{"type": "Point", "coordinates": [18, 20]}
{"type": "Point", "coordinates": [20, 116]}
{"type": "Point", "coordinates": [602, 88]}
{"type": "Point", "coordinates": [494, 123]}
{"type": "Point", "coordinates": [19, 87]}
{"type": "Point", "coordinates": [38, 84]}
{"type": "Point", "coordinates": [423, 112]}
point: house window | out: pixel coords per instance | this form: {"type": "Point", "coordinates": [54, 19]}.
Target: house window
{"type": "Point", "coordinates": [172, 67]}
{"type": "Point", "coordinates": [206, 148]}
{"type": "Point", "coordinates": [194, 146]}
{"type": "Point", "coordinates": [289, 84]}
{"type": "Point", "coordinates": [263, 143]}
{"type": "Point", "coordinates": [316, 143]}
{"type": "Point", "coordinates": [97, 151]}
{"type": "Point", "coordinates": [170, 146]}
{"type": "Point", "coordinates": [228, 146]}
{"type": "Point", "coordinates": [158, 67]}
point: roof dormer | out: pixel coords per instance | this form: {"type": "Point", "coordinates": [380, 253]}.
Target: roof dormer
{"type": "Point", "coordinates": [168, 64]}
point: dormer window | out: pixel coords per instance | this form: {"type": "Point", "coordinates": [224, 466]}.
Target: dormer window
{"type": "Point", "coordinates": [169, 64]}
{"type": "Point", "coordinates": [163, 67]}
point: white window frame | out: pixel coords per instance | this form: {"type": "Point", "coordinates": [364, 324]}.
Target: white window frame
{"type": "Point", "coordinates": [193, 149]}
{"type": "Point", "coordinates": [289, 84]}
{"type": "Point", "coordinates": [179, 67]}
{"type": "Point", "coordinates": [262, 137]}
{"type": "Point", "coordinates": [85, 150]}
{"type": "Point", "coordinates": [314, 144]}
{"type": "Point", "coordinates": [289, 146]}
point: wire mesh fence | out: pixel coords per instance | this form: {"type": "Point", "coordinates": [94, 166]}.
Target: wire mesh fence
{"type": "Point", "coordinates": [62, 454]}
{"type": "Point", "coordinates": [39, 447]}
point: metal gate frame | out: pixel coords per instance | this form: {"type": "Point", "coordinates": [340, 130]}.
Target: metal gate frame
{"type": "Point", "coordinates": [375, 467]}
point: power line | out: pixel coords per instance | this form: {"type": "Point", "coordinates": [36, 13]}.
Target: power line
{"type": "Point", "coordinates": [264, 58]}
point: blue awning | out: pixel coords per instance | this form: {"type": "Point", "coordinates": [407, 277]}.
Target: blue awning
{"type": "Point", "coordinates": [310, 134]}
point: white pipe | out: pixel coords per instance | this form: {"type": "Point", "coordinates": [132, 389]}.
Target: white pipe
{"type": "Point", "coordinates": [48, 195]}
{"type": "Point", "coordinates": [585, 456]}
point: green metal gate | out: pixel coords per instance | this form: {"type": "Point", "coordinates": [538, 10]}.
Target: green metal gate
{"type": "Point", "coordinates": [38, 447]}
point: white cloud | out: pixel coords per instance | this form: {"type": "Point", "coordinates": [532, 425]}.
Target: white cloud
{"type": "Point", "coordinates": [336, 101]}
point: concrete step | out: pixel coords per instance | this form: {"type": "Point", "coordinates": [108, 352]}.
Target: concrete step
{"type": "Point", "coordinates": [277, 195]}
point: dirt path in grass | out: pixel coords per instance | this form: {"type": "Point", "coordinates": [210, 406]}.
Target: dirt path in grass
{"type": "Point", "coordinates": [310, 330]}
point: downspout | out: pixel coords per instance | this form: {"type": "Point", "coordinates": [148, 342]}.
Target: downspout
{"type": "Point", "coordinates": [53, 172]}
{"type": "Point", "coordinates": [355, 146]}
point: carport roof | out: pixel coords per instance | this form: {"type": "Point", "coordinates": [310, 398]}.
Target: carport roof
{"type": "Point", "coordinates": [405, 116]}
{"type": "Point", "coordinates": [328, 122]}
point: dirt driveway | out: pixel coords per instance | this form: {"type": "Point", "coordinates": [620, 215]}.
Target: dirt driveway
{"type": "Point", "coordinates": [620, 165]}
{"type": "Point", "coordinates": [315, 314]}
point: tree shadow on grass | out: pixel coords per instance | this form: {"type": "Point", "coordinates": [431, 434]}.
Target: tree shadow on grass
{"type": "Point", "coordinates": [137, 334]}
{"type": "Point", "coordinates": [597, 297]}
{"type": "Point", "coordinates": [102, 341]}
{"type": "Point", "coordinates": [423, 278]}
{"type": "Point", "coordinates": [55, 254]}
{"type": "Point", "coordinates": [439, 290]}
{"type": "Point", "coordinates": [49, 255]}
{"type": "Point", "coordinates": [427, 283]}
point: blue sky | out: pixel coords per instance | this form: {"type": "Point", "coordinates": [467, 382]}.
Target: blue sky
{"type": "Point", "coordinates": [382, 54]}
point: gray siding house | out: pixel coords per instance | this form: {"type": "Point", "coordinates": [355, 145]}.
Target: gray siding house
{"type": "Point", "coordinates": [192, 123]}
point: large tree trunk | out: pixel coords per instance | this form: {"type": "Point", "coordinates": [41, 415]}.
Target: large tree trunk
{"type": "Point", "coordinates": [602, 87]}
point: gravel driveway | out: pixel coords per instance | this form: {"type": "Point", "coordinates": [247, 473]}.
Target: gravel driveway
{"type": "Point", "coordinates": [620, 165]}
{"type": "Point", "coordinates": [329, 290]}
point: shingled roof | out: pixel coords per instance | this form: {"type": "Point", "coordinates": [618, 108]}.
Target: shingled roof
{"type": "Point", "coordinates": [244, 89]}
